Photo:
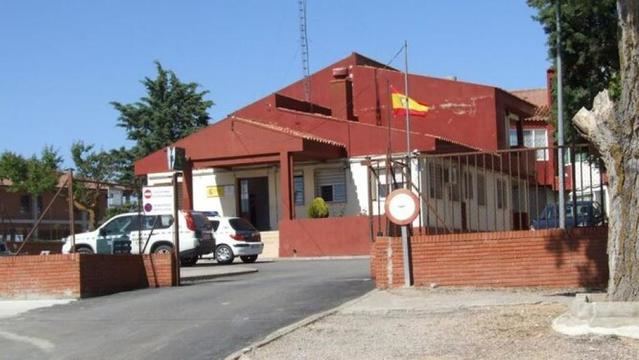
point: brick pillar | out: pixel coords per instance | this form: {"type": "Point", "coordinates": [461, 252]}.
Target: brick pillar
{"type": "Point", "coordinates": [286, 172]}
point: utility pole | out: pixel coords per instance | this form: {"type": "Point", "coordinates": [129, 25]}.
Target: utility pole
{"type": "Point", "coordinates": [71, 208]}
{"type": "Point", "coordinates": [560, 123]}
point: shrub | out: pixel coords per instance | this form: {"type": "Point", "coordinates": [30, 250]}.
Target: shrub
{"type": "Point", "coordinates": [318, 208]}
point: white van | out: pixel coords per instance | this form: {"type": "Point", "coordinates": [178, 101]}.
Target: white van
{"type": "Point", "coordinates": [151, 234]}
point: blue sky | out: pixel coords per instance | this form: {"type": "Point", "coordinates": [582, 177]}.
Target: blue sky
{"type": "Point", "coordinates": [62, 62]}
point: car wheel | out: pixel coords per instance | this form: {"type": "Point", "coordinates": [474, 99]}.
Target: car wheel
{"type": "Point", "coordinates": [224, 254]}
{"type": "Point", "coordinates": [248, 258]}
{"type": "Point", "coordinates": [163, 249]}
{"type": "Point", "coordinates": [84, 250]}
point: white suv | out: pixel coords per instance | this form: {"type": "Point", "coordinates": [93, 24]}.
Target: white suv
{"type": "Point", "coordinates": [235, 237]}
{"type": "Point", "coordinates": [151, 234]}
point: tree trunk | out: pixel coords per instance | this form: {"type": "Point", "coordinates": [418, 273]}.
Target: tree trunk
{"type": "Point", "coordinates": [612, 129]}
{"type": "Point", "coordinates": [89, 210]}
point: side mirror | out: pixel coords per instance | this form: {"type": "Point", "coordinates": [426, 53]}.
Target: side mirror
{"type": "Point", "coordinates": [102, 232]}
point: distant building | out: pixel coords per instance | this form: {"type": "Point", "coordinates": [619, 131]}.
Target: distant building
{"type": "Point", "coordinates": [20, 211]}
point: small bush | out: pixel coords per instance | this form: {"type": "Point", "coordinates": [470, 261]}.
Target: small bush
{"type": "Point", "coordinates": [318, 208]}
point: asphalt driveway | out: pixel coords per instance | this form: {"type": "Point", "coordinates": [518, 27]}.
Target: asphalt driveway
{"type": "Point", "coordinates": [206, 320]}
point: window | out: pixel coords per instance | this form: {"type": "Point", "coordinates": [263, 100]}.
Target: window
{"type": "Point", "coordinates": [215, 224]}
{"type": "Point", "coordinates": [452, 182]}
{"type": "Point", "coordinates": [330, 184]}
{"type": "Point", "coordinates": [154, 222]}
{"type": "Point", "coordinates": [241, 225]}
{"type": "Point", "coordinates": [25, 204]}
{"type": "Point", "coordinates": [117, 226]}
{"type": "Point", "coordinates": [510, 120]}
{"type": "Point", "coordinates": [436, 177]}
{"type": "Point", "coordinates": [513, 141]}
{"type": "Point", "coordinates": [501, 194]}
{"type": "Point", "coordinates": [380, 184]}
{"type": "Point", "coordinates": [537, 138]}
{"type": "Point", "coordinates": [481, 189]}
{"type": "Point", "coordinates": [468, 185]}
{"type": "Point", "coordinates": [298, 189]}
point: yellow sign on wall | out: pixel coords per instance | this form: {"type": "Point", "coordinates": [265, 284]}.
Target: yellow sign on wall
{"type": "Point", "coordinates": [215, 191]}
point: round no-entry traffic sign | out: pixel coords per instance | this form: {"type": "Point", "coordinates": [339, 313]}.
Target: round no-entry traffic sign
{"type": "Point", "coordinates": [147, 193]}
{"type": "Point", "coordinates": [402, 206]}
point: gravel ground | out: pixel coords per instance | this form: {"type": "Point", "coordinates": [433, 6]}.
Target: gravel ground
{"type": "Point", "coordinates": [476, 332]}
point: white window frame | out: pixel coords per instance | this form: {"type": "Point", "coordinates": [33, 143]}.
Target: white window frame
{"type": "Point", "coordinates": [333, 184]}
{"type": "Point", "coordinates": [536, 135]}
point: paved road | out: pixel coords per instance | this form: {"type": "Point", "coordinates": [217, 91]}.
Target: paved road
{"type": "Point", "coordinates": [199, 321]}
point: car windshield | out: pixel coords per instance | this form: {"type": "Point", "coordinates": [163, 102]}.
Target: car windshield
{"type": "Point", "coordinates": [241, 225]}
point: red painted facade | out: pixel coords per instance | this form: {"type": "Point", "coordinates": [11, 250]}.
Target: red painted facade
{"type": "Point", "coordinates": [465, 115]}
{"type": "Point", "coordinates": [335, 236]}
{"type": "Point", "coordinates": [349, 115]}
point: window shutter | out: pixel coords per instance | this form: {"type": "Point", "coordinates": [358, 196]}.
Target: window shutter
{"type": "Point", "coordinates": [335, 178]}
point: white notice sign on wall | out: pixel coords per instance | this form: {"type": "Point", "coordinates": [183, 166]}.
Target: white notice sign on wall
{"type": "Point", "coordinates": [157, 200]}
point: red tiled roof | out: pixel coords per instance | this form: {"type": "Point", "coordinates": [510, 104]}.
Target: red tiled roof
{"type": "Point", "coordinates": [537, 97]}
{"type": "Point", "coordinates": [288, 131]}
{"type": "Point", "coordinates": [437, 137]}
{"type": "Point", "coordinates": [542, 113]}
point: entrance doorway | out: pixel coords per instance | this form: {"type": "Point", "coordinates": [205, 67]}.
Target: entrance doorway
{"type": "Point", "coordinates": [254, 202]}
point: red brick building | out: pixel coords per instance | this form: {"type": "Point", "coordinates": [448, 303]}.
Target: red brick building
{"type": "Point", "coordinates": [268, 159]}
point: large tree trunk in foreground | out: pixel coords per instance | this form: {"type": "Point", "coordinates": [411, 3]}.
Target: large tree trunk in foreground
{"type": "Point", "coordinates": [612, 128]}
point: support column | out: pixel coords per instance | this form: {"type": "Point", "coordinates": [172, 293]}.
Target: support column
{"type": "Point", "coordinates": [286, 172]}
{"type": "Point", "coordinates": [187, 186]}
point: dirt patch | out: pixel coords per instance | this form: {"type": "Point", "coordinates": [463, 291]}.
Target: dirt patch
{"type": "Point", "coordinates": [489, 332]}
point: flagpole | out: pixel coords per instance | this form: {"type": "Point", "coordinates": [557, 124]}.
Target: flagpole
{"type": "Point", "coordinates": [405, 236]}
{"type": "Point", "coordinates": [406, 101]}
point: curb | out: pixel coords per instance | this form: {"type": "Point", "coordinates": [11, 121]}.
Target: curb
{"type": "Point", "coordinates": [290, 328]}
{"type": "Point", "coordinates": [318, 258]}
{"type": "Point", "coordinates": [214, 276]}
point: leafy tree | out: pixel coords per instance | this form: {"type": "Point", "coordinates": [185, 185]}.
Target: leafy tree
{"type": "Point", "coordinates": [170, 111]}
{"type": "Point", "coordinates": [590, 60]}
{"type": "Point", "coordinates": [34, 175]}
{"type": "Point", "coordinates": [94, 171]}
{"type": "Point", "coordinates": [612, 127]}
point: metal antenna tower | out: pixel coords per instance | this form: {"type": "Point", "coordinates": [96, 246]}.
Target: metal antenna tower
{"type": "Point", "coordinates": [304, 48]}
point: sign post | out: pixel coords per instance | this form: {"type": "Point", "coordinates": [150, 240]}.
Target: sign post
{"type": "Point", "coordinates": [162, 200]}
{"type": "Point", "coordinates": [402, 208]}
{"type": "Point", "coordinates": [176, 229]}
{"type": "Point", "coordinates": [176, 159]}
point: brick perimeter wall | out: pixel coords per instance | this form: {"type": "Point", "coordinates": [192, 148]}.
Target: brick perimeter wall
{"type": "Point", "coordinates": [337, 236]}
{"type": "Point", "coordinates": [547, 258]}
{"type": "Point", "coordinates": [50, 276]}
{"type": "Point", "coordinates": [76, 275]}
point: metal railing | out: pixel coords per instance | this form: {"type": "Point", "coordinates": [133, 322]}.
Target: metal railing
{"type": "Point", "coordinates": [515, 189]}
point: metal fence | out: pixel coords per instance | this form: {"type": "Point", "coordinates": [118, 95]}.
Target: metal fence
{"type": "Point", "coordinates": [516, 189]}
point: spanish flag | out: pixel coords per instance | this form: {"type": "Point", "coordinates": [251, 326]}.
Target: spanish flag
{"type": "Point", "coordinates": [399, 104]}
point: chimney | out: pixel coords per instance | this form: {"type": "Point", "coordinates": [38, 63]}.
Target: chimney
{"type": "Point", "coordinates": [341, 89]}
